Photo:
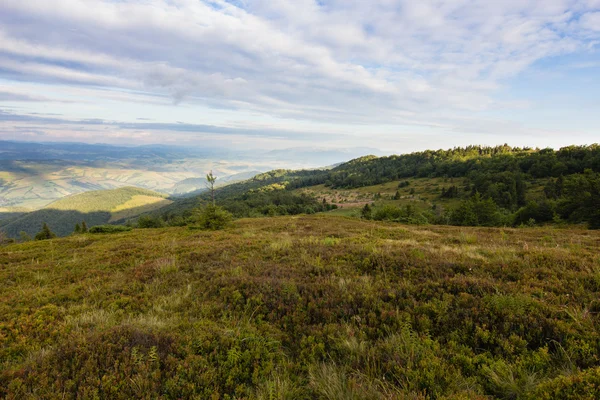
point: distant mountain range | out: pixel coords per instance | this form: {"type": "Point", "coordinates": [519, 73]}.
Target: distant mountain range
{"type": "Point", "coordinates": [476, 185]}
{"type": "Point", "coordinates": [32, 175]}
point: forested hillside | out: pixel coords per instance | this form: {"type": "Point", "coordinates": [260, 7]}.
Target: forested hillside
{"type": "Point", "coordinates": [474, 186]}
{"type": "Point", "coordinates": [265, 194]}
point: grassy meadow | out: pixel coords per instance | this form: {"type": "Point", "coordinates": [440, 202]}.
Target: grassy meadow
{"type": "Point", "coordinates": [421, 193]}
{"type": "Point", "coordinates": [306, 307]}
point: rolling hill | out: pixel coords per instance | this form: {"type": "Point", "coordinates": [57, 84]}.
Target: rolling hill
{"type": "Point", "coordinates": [33, 175]}
{"type": "Point", "coordinates": [394, 305]}
{"type": "Point", "coordinates": [94, 207]}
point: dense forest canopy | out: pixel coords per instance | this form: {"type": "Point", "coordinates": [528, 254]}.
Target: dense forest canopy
{"type": "Point", "coordinates": [466, 162]}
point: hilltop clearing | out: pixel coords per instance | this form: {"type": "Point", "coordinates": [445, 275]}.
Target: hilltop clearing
{"type": "Point", "coordinates": [308, 307]}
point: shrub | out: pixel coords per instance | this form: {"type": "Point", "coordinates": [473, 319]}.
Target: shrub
{"type": "Point", "coordinates": [582, 385]}
{"type": "Point", "coordinates": [366, 212]}
{"type": "Point", "coordinates": [4, 239]}
{"type": "Point", "coordinates": [477, 211]}
{"type": "Point", "coordinates": [212, 217]}
{"type": "Point", "coordinates": [45, 233]}
{"type": "Point", "coordinates": [407, 214]}
{"type": "Point", "coordinates": [147, 221]}
{"type": "Point", "coordinates": [109, 229]}
{"type": "Point", "coordinates": [24, 236]}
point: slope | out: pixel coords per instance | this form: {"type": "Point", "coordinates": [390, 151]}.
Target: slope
{"type": "Point", "coordinates": [95, 208]}
{"type": "Point", "coordinates": [475, 185]}
{"type": "Point", "coordinates": [231, 192]}
{"type": "Point", "coordinates": [303, 308]}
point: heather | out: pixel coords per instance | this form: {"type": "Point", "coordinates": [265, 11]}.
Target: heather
{"type": "Point", "coordinates": [303, 307]}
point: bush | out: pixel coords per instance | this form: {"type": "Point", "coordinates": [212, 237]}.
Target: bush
{"type": "Point", "coordinates": [4, 239]}
{"type": "Point", "coordinates": [23, 235]}
{"type": "Point", "coordinates": [366, 212]}
{"type": "Point", "coordinates": [407, 214]}
{"type": "Point", "coordinates": [543, 211]}
{"type": "Point", "coordinates": [582, 385]}
{"type": "Point", "coordinates": [477, 211]}
{"type": "Point", "coordinates": [45, 233]}
{"type": "Point", "coordinates": [109, 229]}
{"type": "Point", "coordinates": [212, 217]}
{"type": "Point", "coordinates": [146, 221]}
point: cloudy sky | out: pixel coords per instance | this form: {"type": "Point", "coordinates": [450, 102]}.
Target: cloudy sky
{"type": "Point", "coordinates": [399, 75]}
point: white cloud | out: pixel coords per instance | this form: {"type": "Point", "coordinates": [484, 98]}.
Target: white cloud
{"type": "Point", "coordinates": [339, 61]}
{"type": "Point", "coordinates": [591, 21]}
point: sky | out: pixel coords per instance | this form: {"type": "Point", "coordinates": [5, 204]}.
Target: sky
{"type": "Point", "coordinates": [398, 75]}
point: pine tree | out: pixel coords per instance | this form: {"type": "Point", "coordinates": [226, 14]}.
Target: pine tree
{"type": "Point", "coordinates": [84, 228]}
{"type": "Point", "coordinates": [77, 229]}
{"type": "Point", "coordinates": [366, 212]}
{"type": "Point", "coordinates": [397, 195]}
{"type": "Point", "coordinates": [45, 233]}
{"type": "Point", "coordinates": [211, 179]}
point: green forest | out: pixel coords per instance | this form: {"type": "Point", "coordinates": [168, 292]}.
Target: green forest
{"type": "Point", "coordinates": [500, 186]}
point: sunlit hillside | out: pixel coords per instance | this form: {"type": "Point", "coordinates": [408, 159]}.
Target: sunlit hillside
{"type": "Point", "coordinates": [94, 207]}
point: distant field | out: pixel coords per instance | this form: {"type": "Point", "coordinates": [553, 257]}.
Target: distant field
{"type": "Point", "coordinates": [317, 307]}
{"type": "Point", "coordinates": [427, 189]}
{"type": "Point", "coordinates": [108, 200]}
{"type": "Point", "coordinates": [421, 193]}
{"type": "Point", "coordinates": [35, 185]}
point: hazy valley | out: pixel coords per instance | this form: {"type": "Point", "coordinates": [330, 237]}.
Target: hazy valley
{"type": "Point", "coordinates": [32, 175]}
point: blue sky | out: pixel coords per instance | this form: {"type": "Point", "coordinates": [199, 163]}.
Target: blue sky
{"type": "Point", "coordinates": [398, 75]}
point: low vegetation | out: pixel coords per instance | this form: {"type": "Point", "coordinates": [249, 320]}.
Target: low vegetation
{"type": "Point", "coordinates": [211, 217]}
{"type": "Point", "coordinates": [109, 229]}
{"type": "Point", "coordinates": [306, 307]}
